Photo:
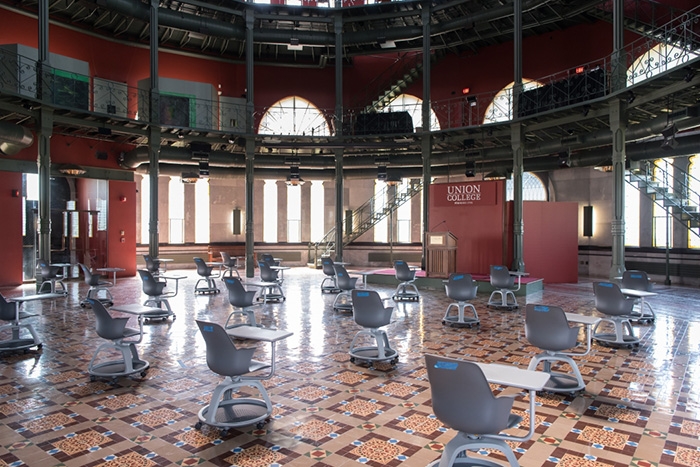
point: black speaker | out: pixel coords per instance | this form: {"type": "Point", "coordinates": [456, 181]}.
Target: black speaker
{"type": "Point", "coordinates": [101, 155]}
{"type": "Point", "coordinates": [236, 221]}
{"type": "Point", "coordinates": [588, 221]}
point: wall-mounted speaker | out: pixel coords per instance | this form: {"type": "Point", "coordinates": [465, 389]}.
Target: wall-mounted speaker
{"type": "Point", "coordinates": [101, 155]}
{"type": "Point", "coordinates": [588, 221]}
{"type": "Point", "coordinates": [236, 222]}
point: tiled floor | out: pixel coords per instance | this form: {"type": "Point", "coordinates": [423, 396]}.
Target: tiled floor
{"type": "Point", "coordinates": [640, 406]}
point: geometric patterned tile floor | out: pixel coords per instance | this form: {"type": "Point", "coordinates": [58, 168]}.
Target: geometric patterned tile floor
{"type": "Point", "coordinates": [640, 407]}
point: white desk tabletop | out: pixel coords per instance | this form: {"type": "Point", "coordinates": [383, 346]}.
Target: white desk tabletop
{"type": "Point", "coordinates": [638, 293]}
{"type": "Point", "coordinates": [258, 334]}
{"type": "Point", "coordinates": [518, 273]}
{"type": "Point", "coordinates": [509, 375]}
{"type": "Point", "coordinates": [177, 278]}
{"type": "Point", "coordinates": [110, 269]}
{"type": "Point", "coordinates": [582, 319]}
{"type": "Point", "coordinates": [40, 296]}
{"type": "Point", "coordinates": [281, 268]}
{"type": "Point", "coordinates": [136, 309]}
{"type": "Point", "coordinates": [164, 260]}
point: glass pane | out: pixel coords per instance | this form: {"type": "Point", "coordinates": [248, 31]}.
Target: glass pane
{"type": "Point", "coordinates": [270, 211]}
{"type": "Point", "coordinates": [201, 211]}
{"type": "Point", "coordinates": [317, 211]}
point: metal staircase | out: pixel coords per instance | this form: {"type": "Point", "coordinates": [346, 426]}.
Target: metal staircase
{"type": "Point", "coordinates": [672, 190]}
{"type": "Point", "coordinates": [378, 207]}
{"type": "Point", "coordinates": [651, 19]}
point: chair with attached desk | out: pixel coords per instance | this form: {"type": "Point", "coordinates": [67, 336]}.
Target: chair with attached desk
{"type": "Point", "coordinates": [639, 280]}
{"type": "Point", "coordinates": [548, 328]}
{"type": "Point", "coordinates": [243, 302]}
{"type": "Point", "coordinates": [462, 288]}
{"type": "Point", "coordinates": [206, 276]}
{"type": "Point", "coordinates": [343, 301]}
{"type": "Point", "coordinates": [11, 314]}
{"type": "Point", "coordinates": [406, 277]}
{"type": "Point", "coordinates": [617, 309]}
{"type": "Point", "coordinates": [271, 284]}
{"type": "Point", "coordinates": [51, 276]}
{"type": "Point", "coordinates": [121, 339]}
{"type": "Point", "coordinates": [152, 265]}
{"type": "Point", "coordinates": [157, 297]}
{"type": "Point", "coordinates": [238, 368]}
{"type": "Point", "coordinates": [230, 264]}
{"type": "Point", "coordinates": [370, 313]}
{"type": "Point", "coordinates": [96, 285]}
{"type": "Point", "coordinates": [462, 400]}
{"type": "Point", "coordinates": [269, 259]}
{"type": "Point", "coordinates": [329, 284]}
{"type": "Point", "coordinates": [504, 284]}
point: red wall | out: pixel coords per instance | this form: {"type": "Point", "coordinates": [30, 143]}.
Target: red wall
{"type": "Point", "coordinates": [11, 231]}
{"type": "Point", "coordinates": [479, 228]}
{"type": "Point", "coordinates": [122, 215]}
{"type": "Point", "coordinates": [550, 241]}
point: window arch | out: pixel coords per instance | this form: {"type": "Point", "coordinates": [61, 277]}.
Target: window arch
{"type": "Point", "coordinates": [533, 188]}
{"type": "Point", "coordinates": [656, 60]}
{"type": "Point", "coordinates": [294, 116]}
{"type": "Point", "coordinates": [501, 107]}
{"type": "Point", "coordinates": [414, 106]}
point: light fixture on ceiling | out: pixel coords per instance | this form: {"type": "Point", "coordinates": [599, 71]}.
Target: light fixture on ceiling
{"type": "Point", "coordinates": [564, 160]}
{"type": "Point", "coordinates": [385, 44]}
{"type": "Point", "coordinates": [189, 177]}
{"type": "Point", "coordinates": [689, 74]}
{"type": "Point", "coordinates": [72, 169]}
{"type": "Point", "coordinates": [471, 100]}
{"type": "Point", "coordinates": [586, 109]}
{"type": "Point", "coordinates": [470, 169]}
{"type": "Point", "coordinates": [631, 97]}
{"type": "Point", "coordinates": [669, 134]}
{"type": "Point", "coordinates": [294, 44]}
{"type": "Point", "coordinates": [496, 175]}
{"type": "Point", "coordinates": [294, 178]}
{"type": "Point", "coordinates": [604, 168]}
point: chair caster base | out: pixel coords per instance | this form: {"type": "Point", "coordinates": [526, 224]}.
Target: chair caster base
{"type": "Point", "coordinates": [454, 322]}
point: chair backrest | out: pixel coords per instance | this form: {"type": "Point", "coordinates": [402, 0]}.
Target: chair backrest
{"type": "Point", "coordinates": [151, 287]}
{"type": "Point", "coordinates": [106, 326]}
{"type": "Point", "coordinates": [269, 259]}
{"type": "Point", "coordinates": [238, 296]}
{"type": "Point", "coordinates": [461, 287]}
{"type": "Point", "coordinates": [501, 278]}
{"type": "Point", "coordinates": [229, 261]}
{"type": "Point", "coordinates": [90, 278]}
{"type": "Point", "coordinates": [152, 265]}
{"type": "Point", "coordinates": [610, 300]}
{"type": "Point", "coordinates": [403, 272]}
{"type": "Point", "coordinates": [344, 281]}
{"type": "Point", "coordinates": [47, 271]}
{"type": "Point", "coordinates": [223, 357]}
{"type": "Point", "coordinates": [266, 273]}
{"type": "Point", "coordinates": [327, 264]}
{"type": "Point", "coordinates": [546, 327]}
{"type": "Point", "coordinates": [8, 310]}
{"type": "Point", "coordinates": [637, 280]}
{"type": "Point", "coordinates": [202, 268]}
{"type": "Point", "coordinates": [368, 309]}
{"type": "Point", "coordinates": [462, 398]}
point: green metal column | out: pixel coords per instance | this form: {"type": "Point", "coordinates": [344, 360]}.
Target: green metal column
{"type": "Point", "coordinates": [618, 125]}
{"type": "Point", "coordinates": [339, 135]}
{"type": "Point", "coordinates": [426, 140]}
{"type": "Point", "coordinates": [517, 141]}
{"type": "Point", "coordinates": [517, 144]}
{"type": "Point", "coordinates": [44, 167]}
{"type": "Point", "coordinates": [249, 146]}
{"type": "Point", "coordinates": [153, 135]}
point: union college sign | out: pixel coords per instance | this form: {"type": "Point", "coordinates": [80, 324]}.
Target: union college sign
{"type": "Point", "coordinates": [461, 194]}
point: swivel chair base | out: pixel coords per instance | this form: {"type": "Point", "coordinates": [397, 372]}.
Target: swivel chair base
{"type": "Point", "coordinates": [329, 288]}
{"type": "Point", "coordinates": [107, 300]}
{"type": "Point", "coordinates": [642, 317]}
{"type": "Point", "coordinates": [52, 287]}
{"type": "Point", "coordinates": [402, 294]}
{"type": "Point", "coordinates": [459, 320]}
{"type": "Point", "coordinates": [622, 337]}
{"type": "Point", "coordinates": [17, 342]}
{"type": "Point", "coordinates": [129, 365]}
{"type": "Point", "coordinates": [210, 288]}
{"type": "Point", "coordinates": [503, 303]}
{"type": "Point", "coordinates": [249, 319]}
{"type": "Point", "coordinates": [382, 352]}
{"type": "Point", "coordinates": [158, 303]}
{"type": "Point", "coordinates": [455, 452]}
{"type": "Point", "coordinates": [234, 412]}
{"type": "Point", "coordinates": [343, 302]}
{"type": "Point", "coordinates": [559, 382]}
{"type": "Point", "coordinates": [271, 292]}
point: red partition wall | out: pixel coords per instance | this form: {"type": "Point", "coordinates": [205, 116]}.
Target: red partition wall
{"type": "Point", "coordinates": [11, 232]}
{"type": "Point", "coordinates": [121, 231]}
{"type": "Point", "coordinates": [474, 212]}
{"type": "Point", "coordinates": [550, 240]}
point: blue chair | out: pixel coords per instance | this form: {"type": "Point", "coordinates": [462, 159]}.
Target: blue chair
{"type": "Point", "coordinates": [343, 301]}
{"type": "Point", "coordinates": [329, 284]}
{"type": "Point", "coordinates": [617, 309]}
{"type": "Point", "coordinates": [370, 313]}
{"type": "Point", "coordinates": [504, 284]}
{"type": "Point", "coordinates": [406, 277]}
{"type": "Point", "coordinates": [462, 288]}
{"type": "Point", "coordinates": [639, 280]}
{"type": "Point", "coordinates": [206, 276]}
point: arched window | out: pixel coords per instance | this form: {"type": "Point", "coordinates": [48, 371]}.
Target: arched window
{"type": "Point", "coordinates": [293, 116]}
{"type": "Point", "coordinates": [414, 106]}
{"type": "Point", "coordinates": [661, 58]}
{"type": "Point", "coordinates": [501, 108]}
{"type": "Point", "coordinates": [533, 188]}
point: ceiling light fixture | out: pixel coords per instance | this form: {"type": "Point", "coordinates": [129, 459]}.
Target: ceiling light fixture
{"type": "Point", "coordinates": [189, 177]}
{"type": "Point", "coordinates": [72, 170]}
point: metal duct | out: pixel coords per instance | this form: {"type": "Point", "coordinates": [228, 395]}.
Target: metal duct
{"type": "Point", "coordinates": [14, 138]}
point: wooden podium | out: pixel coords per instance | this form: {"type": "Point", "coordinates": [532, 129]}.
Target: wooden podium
{"type": "Point", "coordinates": [441, 254]}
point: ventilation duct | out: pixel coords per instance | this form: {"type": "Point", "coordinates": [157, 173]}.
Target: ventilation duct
{"type": "Point", "coordinates": [14, 138]}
